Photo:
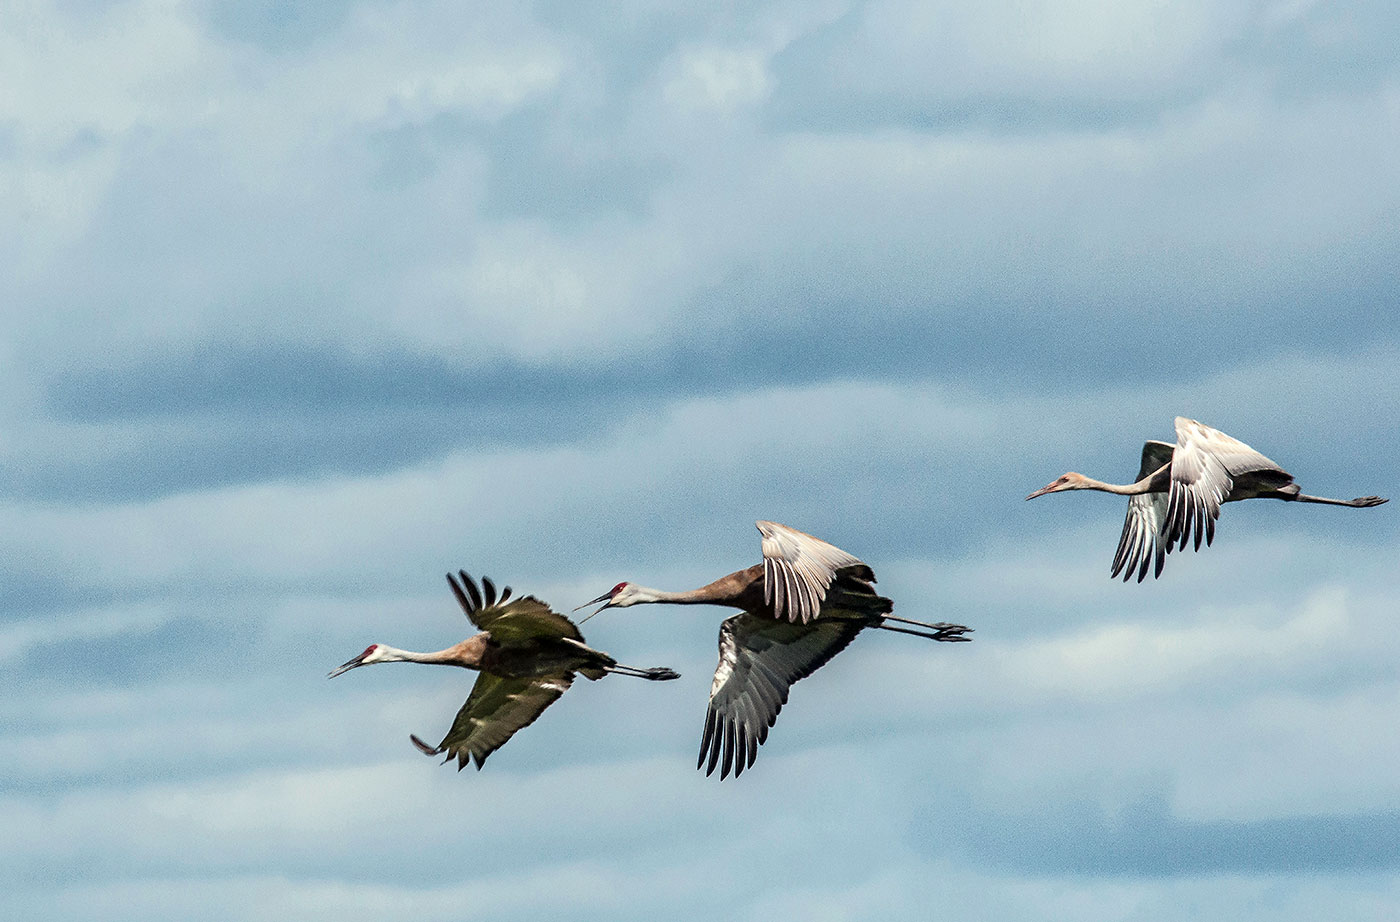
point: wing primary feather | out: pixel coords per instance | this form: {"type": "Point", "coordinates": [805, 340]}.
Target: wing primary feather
{"type": "Point", "coordinates": [706, 738]}
{"type": "Point", "coordinates": [1120, 554]}
{"type": "Point", "coordinates": [462, 599]}
{"type": "Point", "coordinates": [489, 588]}
{"type": "Point", "coordinates": [470, 586]}
{"type": "Point", "coordinates": [794, 597]}
{"type": "Point", "coordinates": [715, 747]}
{"type": "Point", "coordinates": [1182, 524]}
{"type": "Point", "coordinates": [727, 760]}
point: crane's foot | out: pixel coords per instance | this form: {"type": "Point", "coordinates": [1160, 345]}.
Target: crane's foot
{"type": "Point", "coordinates": [660, 674]}
{"type": "Point", "coordinates": [951, 633]}
{"type": "Point", "coordinates": [655, 674]}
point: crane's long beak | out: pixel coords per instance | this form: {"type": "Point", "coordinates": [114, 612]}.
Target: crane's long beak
{"type": "Point", "coordinates": [605, 598]}
{"type": "Point", "coordinates": [1048, 488]}
{"type": "Point", "coordinates": [346, 667]}
{"type": "Point", "coordinates": [602, 598]}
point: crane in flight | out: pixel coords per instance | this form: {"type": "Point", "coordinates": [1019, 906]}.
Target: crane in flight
{"type": "Point", "coordinates": [801, 606]}
{"type": "Point", "coordinates": [1180, 489]}
{"type": "Point", "coordinates": [527, 656]}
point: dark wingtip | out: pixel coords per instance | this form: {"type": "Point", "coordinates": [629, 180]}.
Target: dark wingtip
{"type": "Point", "coordinates": [470, 585]}
{"type": "Point", "coordinates": [423, 747]}
{"type": "Point", "coordinates": [460, 596]}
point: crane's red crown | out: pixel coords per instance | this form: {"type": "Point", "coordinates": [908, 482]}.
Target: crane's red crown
{"type": "Point", "coordinates": [368, 650]}
{"type": "Point", "coordinates": [618, 588]}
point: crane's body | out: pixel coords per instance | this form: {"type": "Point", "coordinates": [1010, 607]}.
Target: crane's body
{"type": "Point", "coordinates": [801, 606]}
{"type": "Point", "coordinates": [527, 657]}
{"type": "Point", "coordinates": [1180, 489]}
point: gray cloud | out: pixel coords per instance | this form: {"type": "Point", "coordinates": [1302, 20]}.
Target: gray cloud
{"type": "Point", "coordinates": [275, 25]}
{"type": "Point", "coordinates": [1146, 840]}
{"type": "Point", "coordinates": [312, 305]}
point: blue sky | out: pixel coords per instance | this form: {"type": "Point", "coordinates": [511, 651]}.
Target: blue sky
{"type": "Point", "coordinates": [311, 303]}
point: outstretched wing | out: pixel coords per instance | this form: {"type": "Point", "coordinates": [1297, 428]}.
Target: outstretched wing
{"type": "Point", "coordinates": [759, 659]}
{"type": "Point", "coordinates": [1143, 542]}
{"type": "Point", "coordinates": [495, 709]}
{"type": "Point", "coordinates": [1205, 464]}
{"type": "Point", "coordinates": [798, 570]}
{"type": "Point", "coordinates": [510, 623]}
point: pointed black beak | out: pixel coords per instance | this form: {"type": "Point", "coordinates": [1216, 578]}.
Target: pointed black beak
{"type": "Point", "coordinates": [346, 667]}
{"type": "Point", "coordinates": [605, 597]}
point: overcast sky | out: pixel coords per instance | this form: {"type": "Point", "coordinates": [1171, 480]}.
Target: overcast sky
{"type": "Point", "coordinates": [307, 304]}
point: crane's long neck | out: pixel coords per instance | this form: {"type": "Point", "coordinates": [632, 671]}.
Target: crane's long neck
{"type": "Point", "coordinates": [1154, 482]}
{"type": "Point", "coordinates": [452, 656]}
{"type": "Point", "coordinates": [645, 595]}
{"type": "Point", "coordinates": [735, 590]}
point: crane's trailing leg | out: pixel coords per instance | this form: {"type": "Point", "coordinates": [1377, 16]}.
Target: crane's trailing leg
{"type": "Point", "coordinates": [608, 664]}
{"type": "Point", "coordinates": [938, 626]}
{"type": "Point", "coordinates": [1361, 502]}
{"type": "Point", "coordinates": [948, 633]}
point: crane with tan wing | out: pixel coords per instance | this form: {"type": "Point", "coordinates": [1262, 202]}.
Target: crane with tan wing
{"type": "Point", "coordinates": [527, 656]}
{"type": "Point", "coordinates": [1180, 489]}
{"type": "Point", "coordinates": [801, 606]}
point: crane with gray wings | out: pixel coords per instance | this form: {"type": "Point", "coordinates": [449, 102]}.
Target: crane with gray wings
{"type": "Point", "coordinates": [527, 656]}
{"type": "Point", "coordinates": [1180, 489]}
{"type": "Point", "coordinates": [801, 606]}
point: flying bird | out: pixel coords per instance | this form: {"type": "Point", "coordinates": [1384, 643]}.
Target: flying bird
{"type": "Point", "coordinates": [1179, 491]}
{"type": "Point", "coordinates": [804, 604]}
{"type": "Point", "coordinates": [527, 656]}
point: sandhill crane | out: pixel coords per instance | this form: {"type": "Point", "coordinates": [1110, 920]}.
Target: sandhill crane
{"type": "Point", "coordinates": [804, 604]}
{"type": "Point", "coordinates": [1180, 488]}
{"type": "Point", "coordinates": [527, 656]}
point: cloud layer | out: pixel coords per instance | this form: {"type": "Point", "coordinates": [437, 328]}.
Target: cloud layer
{"type": "Point", "coordinates": [312, 305]}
